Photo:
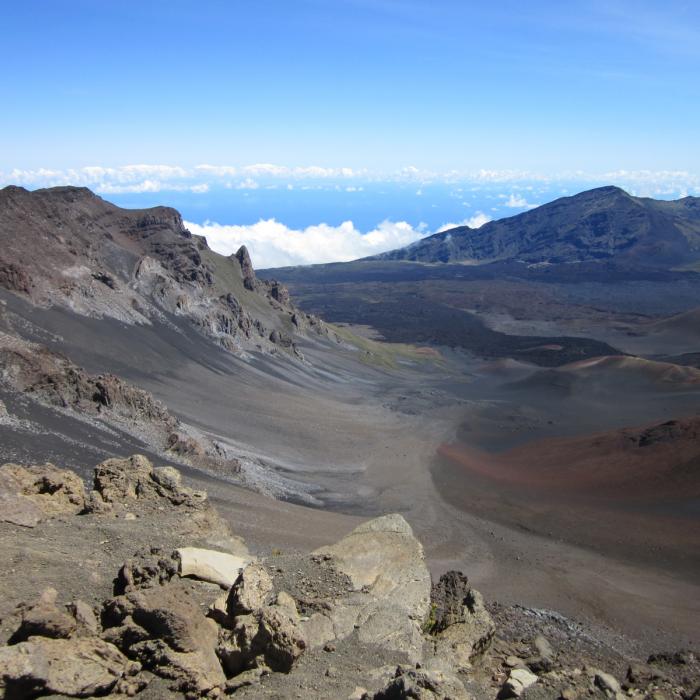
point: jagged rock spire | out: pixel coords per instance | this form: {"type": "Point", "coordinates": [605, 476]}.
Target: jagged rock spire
{"type": "Point", "coordinates": [243, 257]}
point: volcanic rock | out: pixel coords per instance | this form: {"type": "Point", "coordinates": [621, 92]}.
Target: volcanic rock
{"type": "Point", "coordinates": [73, 667]}
{"type": "Point", "coordinates": [30, 494]}
{"type": "Point", "coordinates": [460, 625]}
{"type": "Point", "coordinates": [249, 279]}
{"type": "Point", "coordinates": [166, 631]}
{"type": "Point", "coordinates": [391, 583]}
{"type": "Point", "coordinates": [421, 685]}
{"type": "Point", "coordinates": [44, 619]}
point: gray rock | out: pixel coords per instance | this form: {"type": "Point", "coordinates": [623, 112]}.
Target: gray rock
{"type": "Point", "coordinates": [251, 590]}
{"type": "Point", "coordinates": [543, 647]}
{"type": "Point", "coordinates": [271, 636]}
{"type": "Point", "coordinates": [391, 582]}
{"type": "Point", "coordinates": [44, 619]}
{"type": "Point", "coordinates": [168, 477]}
{"type": "Point", "coordinates": [282, 636]}
{"type": "Point", "coordinates": [85, 619]}
{"type": "Point", "coordinates": [73, 667]}
{"type": "Point", "coordinates": [421, 685]}
{"type": "Point", "coordinates": [543, 659]}
{"type": "Point", "coordinates": [466, 629]}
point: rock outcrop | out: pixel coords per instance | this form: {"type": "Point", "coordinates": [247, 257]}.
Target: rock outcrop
{"type": "Point", "coordinates": [421, 685]}
{"type": "Point", "coordinates": [31, 494]}
{"type": "Point", "coordinates": [51, 379]}
{"type": "Point", "coordinates": [139, 267]}
{"type": "Point", "coordinates": [460, 625]}
{"type": "Point", "coordinates": [390, 595]}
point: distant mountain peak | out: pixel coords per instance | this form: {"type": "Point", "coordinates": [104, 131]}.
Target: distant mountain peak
{"type": "Point", "coordinates": [600, 224]}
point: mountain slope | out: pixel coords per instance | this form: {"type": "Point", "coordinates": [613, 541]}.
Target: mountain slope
{"type": "Point", "coordinates": [600, 224]}
{"type": "Point", "coordinates": [138, 266]}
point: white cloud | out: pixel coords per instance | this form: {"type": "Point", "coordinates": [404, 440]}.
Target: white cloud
{"type": "Point", "coordinates": [308, 171]}
{"type": "Point", "coordinates": [272, 244]}
{"type": "Point", "coordinates": [516, 201]}
{"type": "Point", "coordinates": [146, 177]}
{"type": "Point", "coordinates": [156, 178]}
{"type": "Point", "coordinates": [143, 186]}
{"type": "Point", "coordinates": [476, 221]}
{"type": "Point", "coordinates": [266, 169]}
{"type": "Point", "coordinates": [217, 170]}
{"type": "Point", "coordinates": [247, 184]}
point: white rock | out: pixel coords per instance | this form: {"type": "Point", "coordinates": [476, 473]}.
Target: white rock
{"type": "Point", "coordinates": [607, 683]}
{"type": "Point", "coordinates": [518, 680]}
{"type": "Point", "coordinates": [209, 565]}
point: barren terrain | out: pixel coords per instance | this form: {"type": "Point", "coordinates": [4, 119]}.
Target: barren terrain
{"type": "Point", "coordinates": [533, 425]}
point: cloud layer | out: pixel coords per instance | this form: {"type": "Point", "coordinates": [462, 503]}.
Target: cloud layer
{"type": "Point", "coordinates": [140, 178]}
{"type": "Point", "coordinates": [272, 244]}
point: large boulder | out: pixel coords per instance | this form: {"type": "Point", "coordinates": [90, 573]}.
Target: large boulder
{"type": "Point", "coordinates": [391, 587]}
{"type": "Point", "coordinates": [79, 667]}
{"type": "Point", "coordinates": [164, 629]}
{"type": "Point", "coordinates": [373, 585]}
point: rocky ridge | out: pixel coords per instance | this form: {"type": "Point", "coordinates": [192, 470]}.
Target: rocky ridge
{"type": "Point", "coordinates": [192, 613]}
{"type": "Point", "coordinates": [140, 267]}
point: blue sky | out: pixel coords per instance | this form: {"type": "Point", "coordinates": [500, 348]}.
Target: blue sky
{"type": "Point", "coordinates": [359, 83]}
{"type": "Point", "coordinates": [431, 92]}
